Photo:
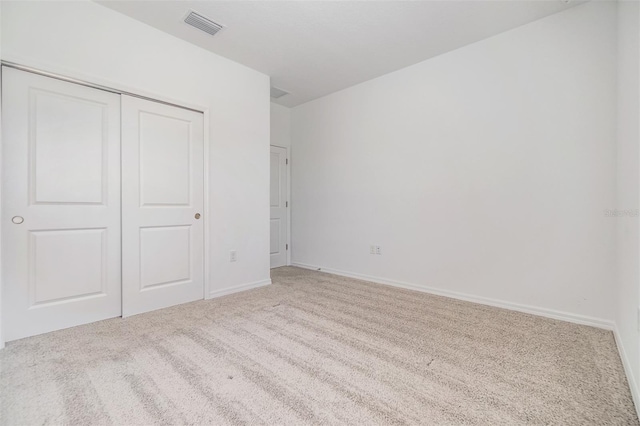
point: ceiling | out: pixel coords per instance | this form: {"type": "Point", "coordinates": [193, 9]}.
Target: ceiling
{"type": "Point", "coordinates": [313, 48]}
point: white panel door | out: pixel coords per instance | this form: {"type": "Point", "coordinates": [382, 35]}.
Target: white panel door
{"type": "Point", "coordinates": [279, 205]}
{"type": "Point", "coordinates": [60, 204]}
{"type": "Point", "coordinates": [162, 206]}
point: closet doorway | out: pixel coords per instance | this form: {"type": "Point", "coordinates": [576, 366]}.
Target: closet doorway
{"type": "Point", "coordinates": [102, 204]}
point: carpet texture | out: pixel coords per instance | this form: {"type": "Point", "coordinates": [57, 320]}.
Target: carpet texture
{"type": "Point", "coordinates": [315, 348]}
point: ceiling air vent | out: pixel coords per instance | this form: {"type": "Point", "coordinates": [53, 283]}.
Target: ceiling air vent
{"type": "Point", "coordinates": [204, 24]}
{"type": "Point", "coordinates": [277, 93]}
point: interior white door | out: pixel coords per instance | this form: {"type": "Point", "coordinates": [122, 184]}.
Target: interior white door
{"type": "Point", "coordinates": [279, 204]}
{"type": "Point", "coordinates": [60, 204]}
{"type": "Point", "coordinates": [162, 205]}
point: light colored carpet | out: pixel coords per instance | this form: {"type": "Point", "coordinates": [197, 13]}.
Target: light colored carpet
{"type": "Point", "coordinates": [315, 348]}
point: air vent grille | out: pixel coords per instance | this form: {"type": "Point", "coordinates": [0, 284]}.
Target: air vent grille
{"type": "Point", "coordinates": [277, 93]}
{"type": "Point", "coordinates": [204, 24]}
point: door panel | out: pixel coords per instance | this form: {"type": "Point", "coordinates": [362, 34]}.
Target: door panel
{"type": "Point", "coordinates": [49, 249]}
{"type": "Point", "coordinates": [275, 237]}
{"type": "Point", "coordinates": [165, 146]}
{"type": "Point", "coordinates": [163, 172]}
{"type": "Point", "coordinates": [278, 206]}
{"type": "Point", "coordinates": [61, 175]}
{"type": "Point", "coordinates": [63, 170]}
{"type": "Point", "coordinates": [165, 256]}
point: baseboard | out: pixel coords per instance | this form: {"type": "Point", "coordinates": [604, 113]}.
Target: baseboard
{"type": "Point", "coordinates": [238, 288]}
{"type": "Point", "coordinates": [633, 385]}
{"type": "Point", "coordinates": [534, 310]}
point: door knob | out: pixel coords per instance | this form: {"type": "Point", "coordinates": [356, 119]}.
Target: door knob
{"type": "Point", "coordinates": [197, 216]}
{"type": "Point", "coordinates": [17, 220]}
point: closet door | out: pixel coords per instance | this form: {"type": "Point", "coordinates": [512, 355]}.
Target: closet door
{"type": "Point", "coordinates": [60, 204]}
{"type": "Point", "coordinates": [162, 205]}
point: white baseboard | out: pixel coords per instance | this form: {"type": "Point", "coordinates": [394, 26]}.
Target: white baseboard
{"type": "Point", "coordinates": [238, 288]}
{"type": "Point", "coordinates": [633, 385]}
{"type": "Point", "coordinates": [534, 310]}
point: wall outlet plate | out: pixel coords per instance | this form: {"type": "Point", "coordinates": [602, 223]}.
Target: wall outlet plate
{"type": "Point", "coordinates": [233, 256]}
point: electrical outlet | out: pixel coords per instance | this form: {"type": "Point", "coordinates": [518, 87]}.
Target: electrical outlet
{"type": "Point", "coordinates": [378, 250]}
{"type": "Point", "coordinates": [233, 256]}
{"type": "Point", "coordinates": [372, 249]}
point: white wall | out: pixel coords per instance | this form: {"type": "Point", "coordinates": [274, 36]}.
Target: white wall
{"type": "Point", "coordinates": [86, 40]}
{"type": "Point", "coordinates": [482, 172]}
{"type": "Point", "coordinates": [280, 126]}
{"type": "Point", "coordinates": [628, 180]}
{"type": "Point", "coordinates": [1, 332]}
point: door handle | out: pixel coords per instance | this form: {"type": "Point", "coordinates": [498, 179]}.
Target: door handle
{"type": "Point", "coordinates": [17, 220]}
{"type": "Point", "coordinates": [197, 216]}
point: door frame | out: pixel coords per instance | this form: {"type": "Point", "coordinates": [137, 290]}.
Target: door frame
{"type": "Point", "coordinates": [109, 86]}
{"type": "Point", "coordinates": [288, 173]}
